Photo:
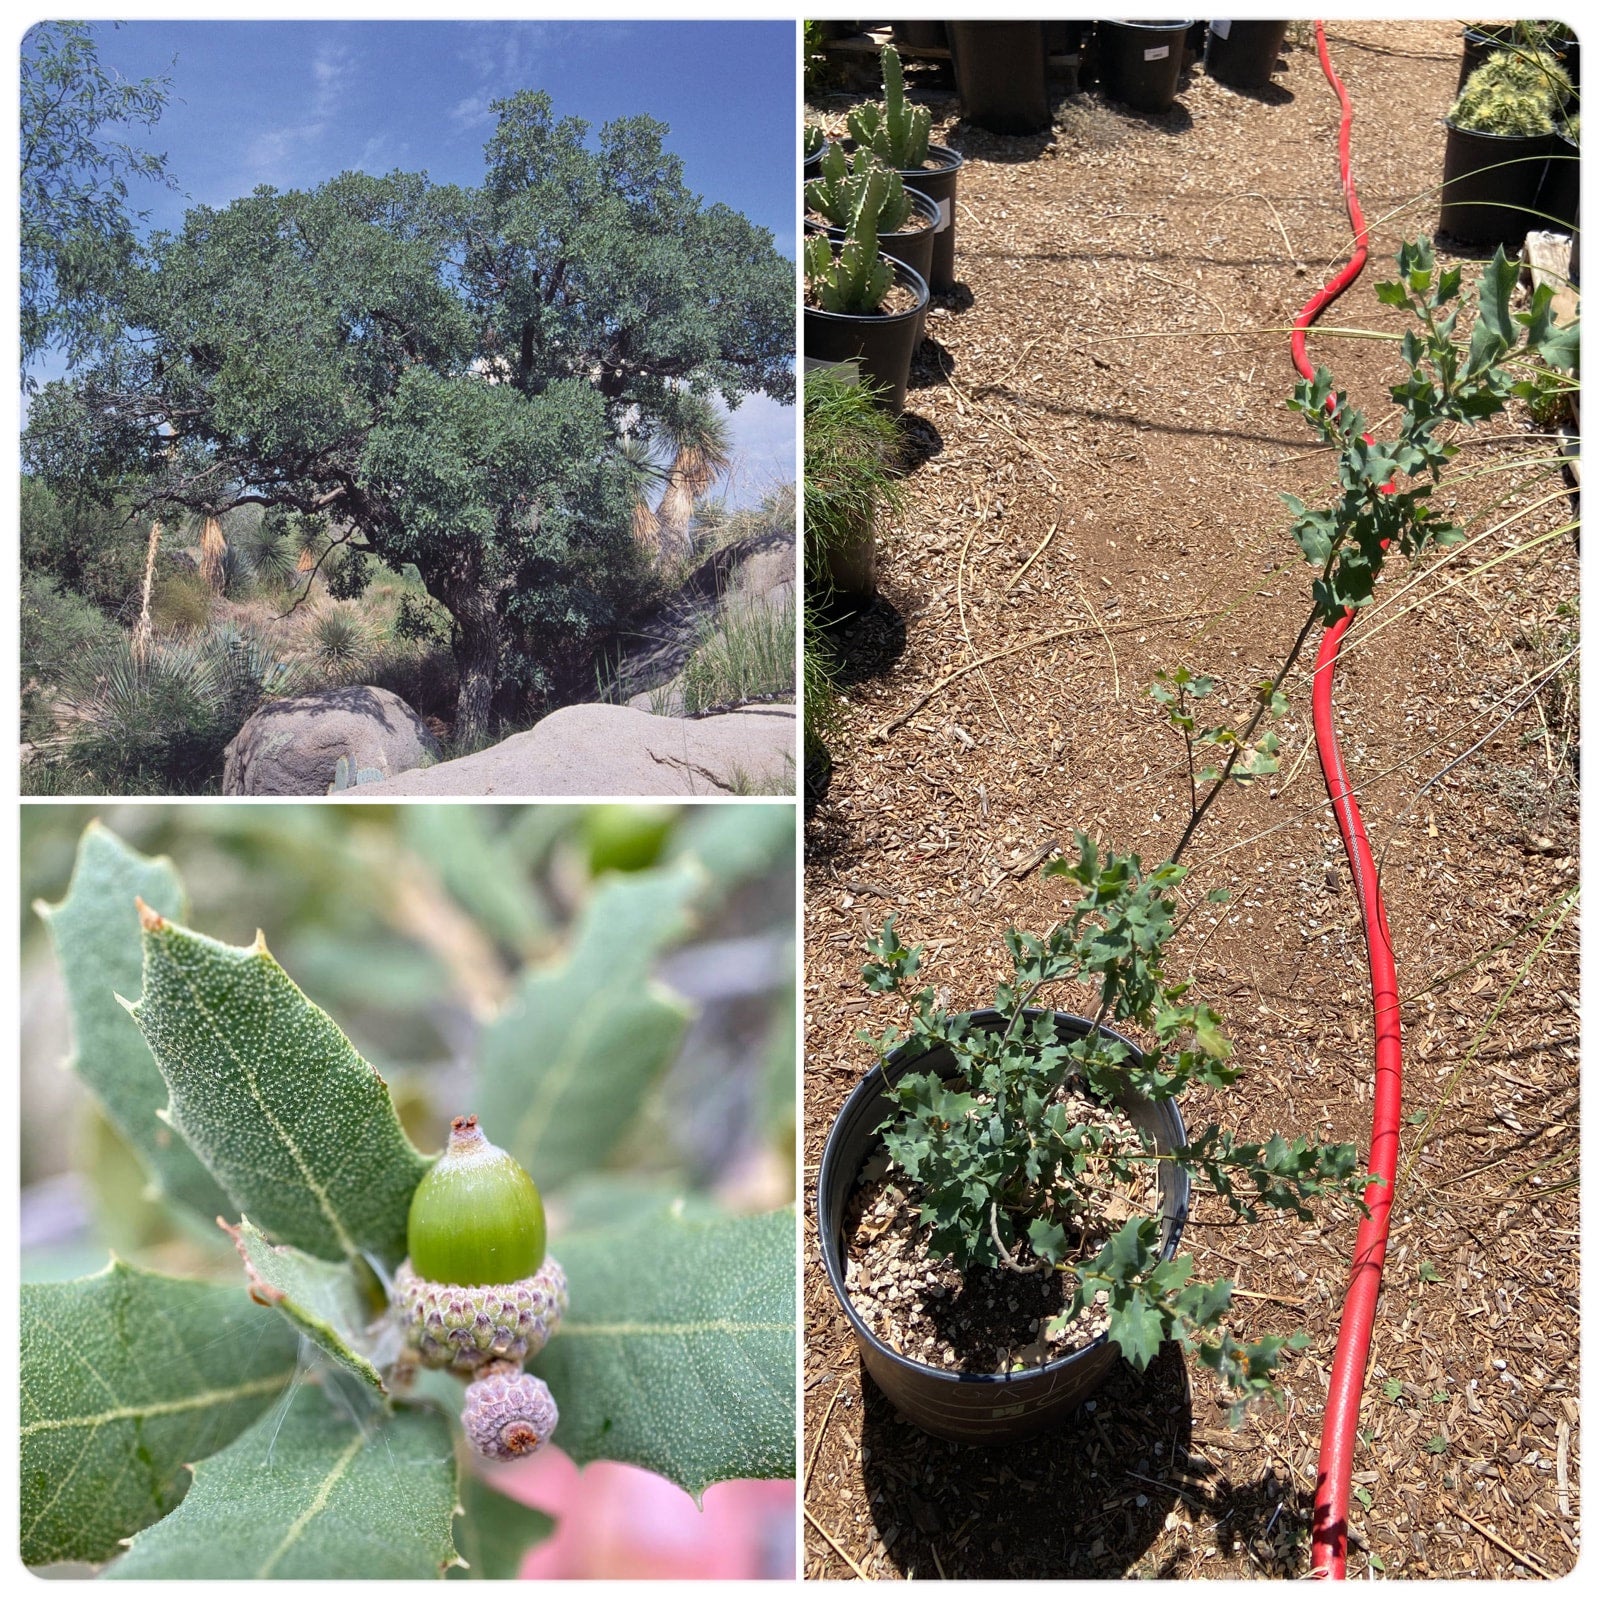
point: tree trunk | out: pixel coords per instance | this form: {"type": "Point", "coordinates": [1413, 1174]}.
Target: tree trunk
{"type": "Point", "coordinates": [471, 604]}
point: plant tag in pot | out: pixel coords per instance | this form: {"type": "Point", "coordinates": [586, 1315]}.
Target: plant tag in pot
{"type": "Point", "coordinates": [1158, 52]}
{"type": "Point", "coordinates": [1222, 29]}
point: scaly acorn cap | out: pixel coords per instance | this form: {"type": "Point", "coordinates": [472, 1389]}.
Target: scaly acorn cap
{"type": "Point", "coordinates": [507, 1414]}
{"type": "Point", "coordinates": [476, 1217]}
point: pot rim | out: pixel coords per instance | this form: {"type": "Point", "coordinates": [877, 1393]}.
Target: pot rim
{"type": "Point", "coordinates": [1153, 27]}
{"type": "Point", "coordinates": [1082, 1026]}
{"type": "Point", "coordinates": [907, 276]}
{"type": "Point", "coordinates": [927, 209]}
{"type": "Point", "coordinates": [955, 162]}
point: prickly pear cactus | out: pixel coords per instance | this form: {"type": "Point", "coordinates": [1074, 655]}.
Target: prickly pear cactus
{"type": "Point", "coordinates": [895, 131]}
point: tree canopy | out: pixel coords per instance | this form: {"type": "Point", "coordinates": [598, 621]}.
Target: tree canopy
{"type": "Point", "coordinates": [77, 233]}
{"type": "Point", "coordinates": [446, 376]}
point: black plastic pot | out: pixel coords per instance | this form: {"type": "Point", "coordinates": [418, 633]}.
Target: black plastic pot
{"type": "Point", "coordinates": [811, 166]}
{"type": "Point", "coordinates": [920, 35]}
{"type": "Point", "coordinates": [880, 346]}
{"type": "Point", "coordinates": [1478, 44]}
{"type": "Point", "coordinates": [913, 247]}
{"type": "Point", "coordinates": [1140, 62]}
{"type": "Point", "coordinates": [1491, 184]}
{"type": "Point", "coordinates": [1244, 55]}
{"type": "Point", "coordinates": [974, 1408]}
{"type": "Point", "coordinates": [1558, 194]}
{"type": "Point", "coordinates": [1000, 75]}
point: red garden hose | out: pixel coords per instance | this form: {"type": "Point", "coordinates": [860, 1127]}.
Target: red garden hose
{"type": "Point", "coordinates": [1330, 1515]}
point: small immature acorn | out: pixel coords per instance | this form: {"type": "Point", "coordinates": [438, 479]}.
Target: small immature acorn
{"type": "Point", "coordinates": [476, 1287]}
{"type": "Point", "coordinates": [507, 1413]}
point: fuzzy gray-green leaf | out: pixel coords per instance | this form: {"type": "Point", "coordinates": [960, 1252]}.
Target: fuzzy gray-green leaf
{"type": "Point", "coordinates": [274, 1099]}
{"type": "Point", "coordinates": [95, 930]}
{"type": "Point", "coordinates": [127, 1377]}
{"type": "Point", "coordinates": [678, 1351]}
{"type": "Point", "coordinates": [567, 1063]}
{"type": "Point", "coordinates": [494, 1532]}
{"type": "Point", "coordinates": [321, 1298]}
{"type": "Point", "coordinates": [312, 1492]}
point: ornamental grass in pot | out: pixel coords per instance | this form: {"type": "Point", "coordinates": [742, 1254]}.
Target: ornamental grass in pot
{"type": "Point", "coordinates": [1000, 1202]}
{"type": "Point", "coordinates": [1499, 134]}
{"type": "Point", "coordinates": [897, 133]}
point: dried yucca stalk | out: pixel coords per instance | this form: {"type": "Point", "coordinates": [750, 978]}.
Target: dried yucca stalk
{"type": "Point", "coordinates": [140, 644]}
{"type": "Point", "coordinates": [213, 547]}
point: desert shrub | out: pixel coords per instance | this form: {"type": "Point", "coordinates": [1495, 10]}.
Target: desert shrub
{"type": "Point", "coordinates": [340, 642]}
{"type": "Point", "coordinates": [86, 543]}
{"type": "Point", "coordinates": [58, 628]}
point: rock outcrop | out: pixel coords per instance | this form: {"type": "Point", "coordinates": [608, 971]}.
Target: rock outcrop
{"type": "Point", "coordinates": [295, 745]}
{"type": "Point", "coordinates": [617, 750]}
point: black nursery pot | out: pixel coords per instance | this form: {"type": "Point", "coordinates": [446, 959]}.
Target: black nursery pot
{"type": "Point", "coordinates": [1491, 184]}
{"type": "Point", "coordinates": [975, 1408]}
{"type": "Point", "coordinates": [938, 182]}
{"type": "Point", "coordinates": [881, 346]}
{"type": "Point", "coordinates": [1558, 194]}
{"type": "Point", "coordinates": [1246, 54]}
{"type": "Point", "coordinates": [1000, 75]}
{"type": "Point", "coordinates": [1140, 62]}
{"type": "Point", "coordinates": [914, 248]}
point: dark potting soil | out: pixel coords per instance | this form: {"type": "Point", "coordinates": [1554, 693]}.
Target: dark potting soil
{"type": "Point", "coordinates": [983, 1319]}
{"type": "Point", "coordinates": [915, 223]}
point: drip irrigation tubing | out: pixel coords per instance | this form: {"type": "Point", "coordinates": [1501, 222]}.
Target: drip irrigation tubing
{"type": "Point", "coordinates": [1331, 1508]}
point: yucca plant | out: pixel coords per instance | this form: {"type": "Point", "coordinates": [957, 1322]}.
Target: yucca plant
{"type": "Point", "coordinates": [213, 551]}
{"type": "Point", "coordinates": [340, 641]}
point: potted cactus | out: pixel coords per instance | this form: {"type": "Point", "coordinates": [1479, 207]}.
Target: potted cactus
{"type": "Point", "coordinates": [864, 307]}
{"type": "Point", "coordinates": [845, 185]}
{"type": "Point", "coordinates": [897, 133]}
{"type": "Point", "coordinates": [1499, 135]}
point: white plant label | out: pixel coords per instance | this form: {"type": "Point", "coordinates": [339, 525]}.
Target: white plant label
{"type": "Point", "coordinates": [946, 215]}
{"type": "Point", "coordinates": [1159, 53]}
{"type": "Point", "coordinates": [1222, 29]}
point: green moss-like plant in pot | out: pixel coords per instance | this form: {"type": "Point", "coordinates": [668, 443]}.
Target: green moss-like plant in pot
{"type": "Point", "coordinates": [1499, 134]}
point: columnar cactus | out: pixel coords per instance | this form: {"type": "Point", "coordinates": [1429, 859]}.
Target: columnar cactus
{"type": "Point", "coordinates": [856, 280]}
{"type": "Point", "coordinates": [851, 186]}
{"type": "Point", "coordinates": [895, 131]}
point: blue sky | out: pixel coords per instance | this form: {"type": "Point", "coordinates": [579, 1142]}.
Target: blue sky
{"type": "Point", "coordinates": [291, 103]}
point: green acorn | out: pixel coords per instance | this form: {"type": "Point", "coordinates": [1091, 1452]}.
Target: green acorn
{"type": "Point", "coordinates": [477, 1287]}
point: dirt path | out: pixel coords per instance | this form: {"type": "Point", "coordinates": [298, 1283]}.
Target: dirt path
{"type": "Point", "coordinates": [1109, 442]}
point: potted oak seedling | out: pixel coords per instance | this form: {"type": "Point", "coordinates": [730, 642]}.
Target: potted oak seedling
{"type": "Point", "coordinates": [906, 218]}
{"type": "Point", "coordinates": [897, 133]}
{"type": "Point", "coordinates": [1499, 134]}
{"type": "Point", "coordinates": [863, 307]}
{"type": "Point", "coordinates": [1001, 1199]}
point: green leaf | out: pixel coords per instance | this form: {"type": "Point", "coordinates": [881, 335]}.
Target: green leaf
{"type": "Point", "coordinates": [321, 1298]}
{"type": "Point", "coordinates": [127, 1377]}
{"type": "Point", "coordinates": [494, 1532]}
{"type": "Point", "coordinates": [568, 1061]}
{"type": "Point", "coordinates": [1429, 1273]}
{"type": "Point", "coordinates": [734, 843]}
{"type": "Point", "coordinates": [274, 1099]}
{"type": "Point", "coordinates": [95, 930]}
{"type": "Point", "coordinates": [313, 1492]}
{"type": "Point", "coordinates": [678, 1351]}
{"type": "Point", "coordinates": [481, 870]}
{"type": "Point", "coordinates": [1136, 1328]}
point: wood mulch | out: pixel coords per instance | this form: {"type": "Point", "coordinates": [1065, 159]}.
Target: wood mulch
{"type": "Point", "coordinates": [1102, 442]}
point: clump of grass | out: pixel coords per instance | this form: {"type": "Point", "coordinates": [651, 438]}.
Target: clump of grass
{"type": "Point", "coordinates": [751, 653]}
{"type": "Point", "coordinates": [181, 600]}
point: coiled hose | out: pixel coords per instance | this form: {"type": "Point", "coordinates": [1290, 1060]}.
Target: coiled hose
{"type": "Point", "coordinates": [1330, 1515]}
